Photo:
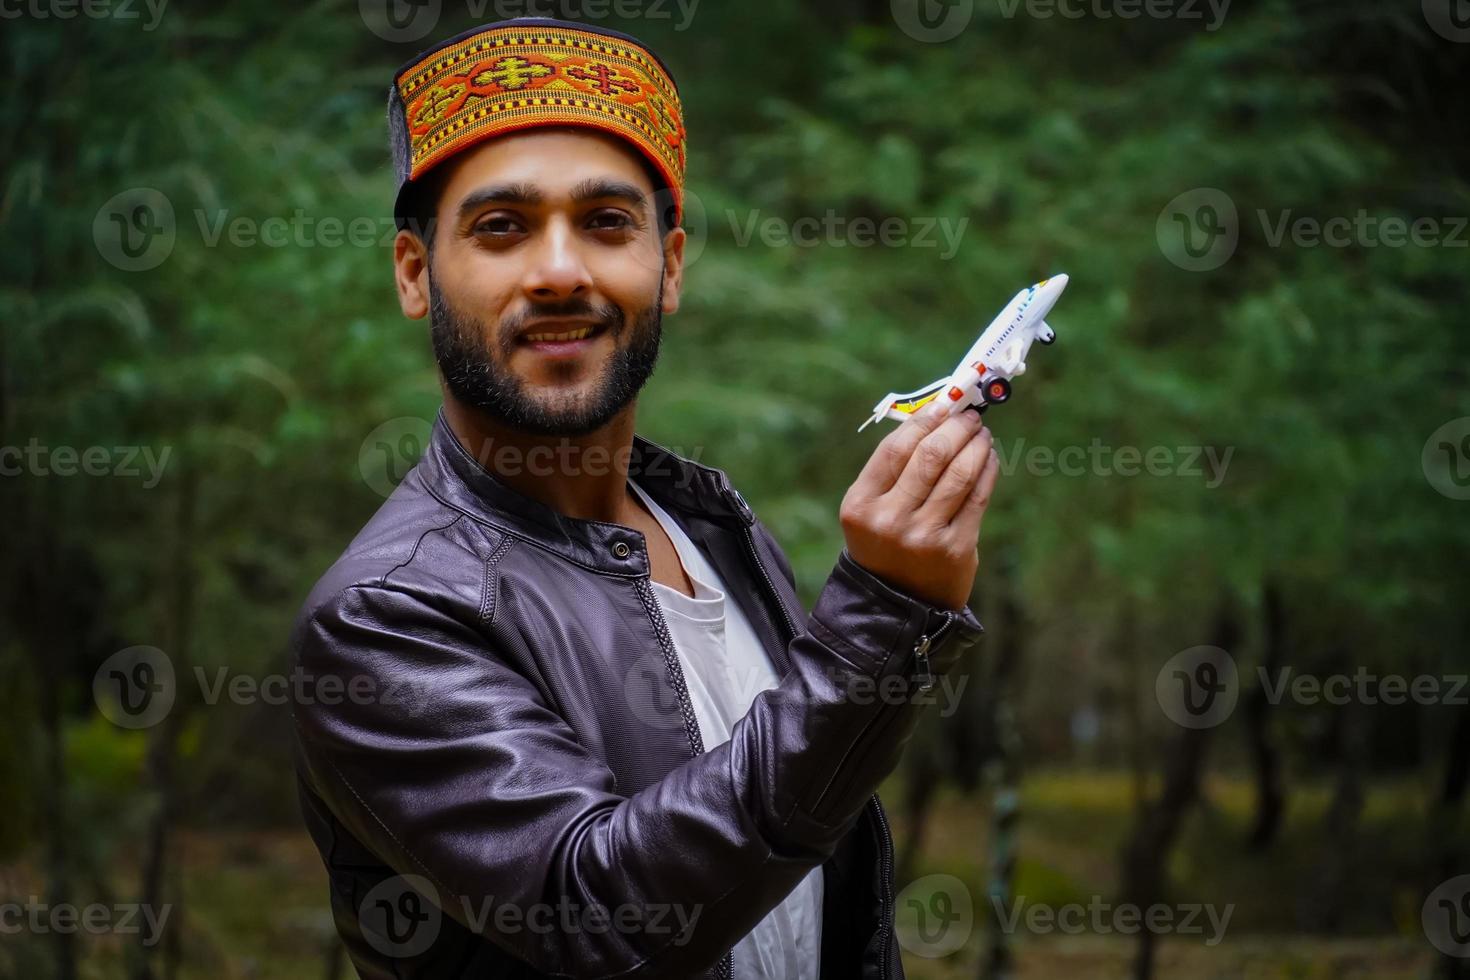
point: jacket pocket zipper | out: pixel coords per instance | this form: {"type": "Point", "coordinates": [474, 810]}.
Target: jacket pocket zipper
{"type": "Point", "coordinates": [926, 678]}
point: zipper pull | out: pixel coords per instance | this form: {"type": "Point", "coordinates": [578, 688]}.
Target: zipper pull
{"type": "Point", "coordinates": [921, 656]}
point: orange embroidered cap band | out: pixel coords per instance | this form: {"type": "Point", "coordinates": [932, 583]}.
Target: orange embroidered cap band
{"type": "Point", "coordinates": [528, 72]}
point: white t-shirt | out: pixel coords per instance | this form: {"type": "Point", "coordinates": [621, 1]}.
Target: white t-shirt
{"type": "Point", "coordinates": [725, 667]}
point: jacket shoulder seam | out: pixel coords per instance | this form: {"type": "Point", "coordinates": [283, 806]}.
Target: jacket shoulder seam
{"type": "Point", "coordinates": [383, 580]}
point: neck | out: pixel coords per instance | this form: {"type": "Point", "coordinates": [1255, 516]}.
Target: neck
{"type": "Point", "coordinates": [584, 477]}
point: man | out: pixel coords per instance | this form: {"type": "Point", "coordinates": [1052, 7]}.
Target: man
{"type": "Point", "coordinates": [588, 730]}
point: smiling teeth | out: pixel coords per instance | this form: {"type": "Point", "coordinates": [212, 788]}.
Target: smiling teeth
{"type": "Point", "coordinates": [574, 335]}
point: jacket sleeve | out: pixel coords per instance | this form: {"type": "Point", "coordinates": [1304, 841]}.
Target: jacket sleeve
{"type": "Point", "coordinates": [475, 784]}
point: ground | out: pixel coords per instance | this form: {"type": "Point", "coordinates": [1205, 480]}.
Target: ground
{"type": "Point", "coordinates": [255, 902]}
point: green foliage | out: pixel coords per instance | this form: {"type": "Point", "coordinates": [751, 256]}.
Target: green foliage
{"type": "Point", "coordinates": [1043, 146]}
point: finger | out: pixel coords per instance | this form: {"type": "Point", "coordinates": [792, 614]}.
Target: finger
{"type": "Point", "coordinates": [958, 480]}
{"type": "Point", "coordinates": [892, 454]}
{"type": "Point", "coordinates": [932, 456]}
{"type": "Point", "coordinates": [966, 521]}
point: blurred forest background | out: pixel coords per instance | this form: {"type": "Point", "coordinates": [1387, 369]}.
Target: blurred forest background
{"type": "Point", "coordinates": [280, 395]}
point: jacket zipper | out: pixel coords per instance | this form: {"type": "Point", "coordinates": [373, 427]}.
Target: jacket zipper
{"type": "Point", "coordinates": [791, 630]}
{"type": "Point", "coordinates": [686, 706]}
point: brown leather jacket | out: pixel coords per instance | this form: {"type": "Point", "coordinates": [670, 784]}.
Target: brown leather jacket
{"type": "Point", "coordinates": [500, 766]}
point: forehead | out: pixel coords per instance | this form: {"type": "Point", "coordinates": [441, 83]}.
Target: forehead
{"type": "Point", "coordinates": [553, 160]}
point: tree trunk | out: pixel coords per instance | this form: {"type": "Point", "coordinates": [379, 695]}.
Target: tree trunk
{"type": "Point", "coordinates": [162, 762]}
{"type": "Point", "coordinates": [1444, 819]}
{"type": "Point", "coordinates": [1146, 855]}
{"type": "Point", "coordinates": [1270, 793]}
{"type": "Point", "coordinates": [1004, 757]}
{"type": "Point", "coordinates": [1340, 824]}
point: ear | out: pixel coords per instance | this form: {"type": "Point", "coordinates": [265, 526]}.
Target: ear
{"type": "Point", "coordinates": [411, 274]}
{"type": "Point", "coordinates": [673, 268]}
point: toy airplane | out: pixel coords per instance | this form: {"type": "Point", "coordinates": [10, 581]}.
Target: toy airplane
{"type": "Point", "coordinates": [983, 377]}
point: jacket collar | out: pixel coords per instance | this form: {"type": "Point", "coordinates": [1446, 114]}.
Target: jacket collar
{"type": "Point", "coordinates": [452, 474]}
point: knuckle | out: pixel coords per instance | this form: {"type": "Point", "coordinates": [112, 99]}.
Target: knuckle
{"type": "Point", "coordinates": [883, 525]}
{"type": "Point", "coordinates": [933, 451]}
{"type": "Point", "coordinates": [915, 540]}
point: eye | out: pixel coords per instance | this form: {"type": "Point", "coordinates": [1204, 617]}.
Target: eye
{"type": "Point", "coordinates": [496, 226]}
{"type": "Point", "coordinates": [612, 221]}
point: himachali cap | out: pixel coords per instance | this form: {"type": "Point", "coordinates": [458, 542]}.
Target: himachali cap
{"type": "Point", "coordinates": [528, 72]}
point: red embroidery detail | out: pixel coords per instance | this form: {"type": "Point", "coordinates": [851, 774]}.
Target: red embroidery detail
{"type": "Point", "coordinates": [604, 78]}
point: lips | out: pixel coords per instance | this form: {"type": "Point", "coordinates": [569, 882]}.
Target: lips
{"type": "Point", "coordinates": [560, 332]}
{"type": "Point", "coordinates": [581, 334]}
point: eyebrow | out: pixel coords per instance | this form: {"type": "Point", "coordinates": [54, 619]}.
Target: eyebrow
{"type": "Point", "coordinates": [521, 192]}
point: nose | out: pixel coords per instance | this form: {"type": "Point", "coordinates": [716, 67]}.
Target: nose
{"type": "Point", "coordinates": [557, 268]}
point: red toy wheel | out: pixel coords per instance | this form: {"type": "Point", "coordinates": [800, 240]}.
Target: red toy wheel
{"type": "Point", "coordinates": [997, 390]}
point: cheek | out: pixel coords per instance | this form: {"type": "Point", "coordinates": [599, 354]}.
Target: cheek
{"type": "Point", "coordinates": [478, 291]}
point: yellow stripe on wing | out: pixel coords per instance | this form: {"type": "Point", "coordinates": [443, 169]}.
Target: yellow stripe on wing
{"type": "Point", "coordinates": [910, 407]}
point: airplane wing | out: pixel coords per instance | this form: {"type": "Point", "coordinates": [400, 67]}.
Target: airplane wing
{"type": "Point", "coordinates": [900, 406]}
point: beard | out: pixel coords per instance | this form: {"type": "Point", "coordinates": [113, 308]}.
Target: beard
{"type": "Point", "coordinates": [473, 360]}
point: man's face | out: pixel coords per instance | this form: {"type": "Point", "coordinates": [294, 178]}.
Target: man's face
{"type": "Point", "coordinates": [541, 235]}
